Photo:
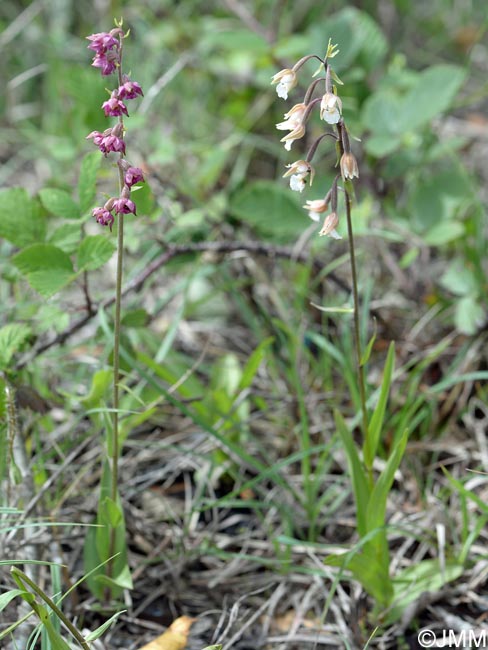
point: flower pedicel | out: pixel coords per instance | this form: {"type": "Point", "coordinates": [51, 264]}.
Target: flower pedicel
{"type": "Point", "coordinates": [330, 106]}
{"type": "Point", "coordinates": [108, 58]}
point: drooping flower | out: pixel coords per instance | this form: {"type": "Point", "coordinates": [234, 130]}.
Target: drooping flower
{"type": "Point", "coordinates": [129, 89]}
{"type": "Point", "coordinates": [330, 108]}
{"type": "Point", "coordinates": [102, 42]}
{"type": "Point", "coordinates": [298, 172]}
{"type": "Point", "coordinates": [293, 123]}
{"type": "Point", "coordinates": [107, 62]}
{"type": "Point", "coordinates": [286, 80]}
{"type": "Point", "coordinates": [349, 166]}
{"type": "Point", "coordinates": [108, 141]}
{"type": "Point", "coordinates": [103, 216]}
{"type": "Point", "coordinates": [329, 227]}
{"type": "Point", "coordinates": [293, 118]}
{"type": "Point", "coordinates": [124, 205]}
{"type": "Point", "coordinates": [132, 176]}
{"type": "Point", "coordinates": [296, 134]}
{"type": "Point", "coordinates": [114, 107]}
{"type": "Point", "coordinates": [315, 208]}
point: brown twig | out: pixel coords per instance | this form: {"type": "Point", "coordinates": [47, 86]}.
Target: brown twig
{"type": "Point", "coordinates": [171, 251]}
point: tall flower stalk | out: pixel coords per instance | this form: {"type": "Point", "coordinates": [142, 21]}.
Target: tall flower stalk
{"type": "Point", "coordinates": [108, 49]}
{"type": "Point", "coordinates": [302, 172]}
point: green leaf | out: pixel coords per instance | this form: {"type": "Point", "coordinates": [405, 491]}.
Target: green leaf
{"type": "Point", "coordinates": [96, 634]}
{"type": "Point", "coordinates": [94, 252]}
{"type": "Point", "coordinates": [12, 337]}
{"type": "Point", "coordinates": [113, 514]}
{"type": "Point", "coordinates": [46, 267]}
{"type": "Point", "coordinates": [87, 180]}
{"type": "Point", "coordinates": [369, 348]}
{"type": "Point", "coordinates": [425, 577]}
{"type": "Point", "coordinates": [67, 237]}
{"type": "Point", "coordinates": [56, 640]}
{"type": "Point", "coordinates": [433, 93]}
{"type": "Point", "coordinates": [387, 113]}
{"type": "Point", "coordinates": [469, 315]}
{"type": "Point", "coordinates": [443, 233]}
{"type": "Point", "coordinates": [101, 382]}
{"type": "Point", "coordinates": [8, 596]}
{"type": "Point", "coordinates": [253, 363]}
{"type": "Point", "coordinates": [270, 209]}
{"type": "Point", "coordinates": [366, 569]}
{"type": "Point", "coordinates": [59, 203]}
{"type": "Point", "coordinates": [136, 318]}
{"type": "Point", "coordinates": [459, 280]}
{"type": "Point", "coordinates": [20, 220]}
{"type": "Point", "coordinates": [374, 429]}
{"type": "Point", "coordinates": [356, 473]}
{"type": "Point", "coordinates": [375, 516]}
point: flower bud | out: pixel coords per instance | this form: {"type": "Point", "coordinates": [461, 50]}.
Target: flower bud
{"type": "Point", "coordinates": [349, 166]}
{"type": "Point", "coordinates": [329, 226]}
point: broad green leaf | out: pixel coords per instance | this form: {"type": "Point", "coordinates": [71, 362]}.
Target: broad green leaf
{"type": "Point", "coordinates": [459, 279]}
{"type": "Point", "coordinates": [113, 513]}
{"type": "Point", "coordinates": [381, 115]}
{"type": "Point", "coordinates": [386, 112]}
{"type": "Point", "coordinates": [20, 219]}
{"type": "Point", "coordinates": [46, 267]}
{"type": "Point", "coordinates": [87, 187]}
{"type": "Point", "coordinates": [270, 209]}
{"type": "Point", "coordinates": [12, 336]}
{"type": "Point", "coordinates": [370, 446]}
{"type": "Point", "coordinates": [136, 318]}
{"type": "Point", "coordinates": [94, 252]}
{"type": "Point", "coordinates": [469, 315]}
{"type": "Point", "coordinates": [59, 203]}
{"type": "Point", "coordinates": [356, 473]}
{"type": "Point", "coordinates": [67, 237]}
{"type": "Point", "coordinates": [412, 582]}
{"type": "Point", "coordinates": [432, 94]}
{"type": "Point", "coordinates": [443, 233]}
{"type": "Point", "coordinates": [375, 515]}
{"type": "Point", "coordinates": [437, 198]}
{"type": "Point", "coordinates": [367, 570]}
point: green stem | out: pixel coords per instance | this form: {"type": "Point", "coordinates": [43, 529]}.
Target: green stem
{"type": "Point", "coordinates": [357, 337]}
{"type": "Point", "coordinates": [20, 575]}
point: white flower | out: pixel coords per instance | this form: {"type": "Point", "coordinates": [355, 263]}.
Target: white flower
{"type": "Point", "coordinates": [297, 182]}
{"type": "Point", "coordinates": [298, 172]}
{"type": "Point", "coordinates": [329, 227]}
{"type": "Point", "coordinates": [286, 80]}
{"type": "Point", "coordinates": [330, 108]}
{"type": "Point", "coordinates": [293, 123]}
{"type": "Point", "coordinates": [315, 208]}
{"type": "Point", "coordinates": [296, 134]}
{"type": "Point", "coordinates": [293, 118]}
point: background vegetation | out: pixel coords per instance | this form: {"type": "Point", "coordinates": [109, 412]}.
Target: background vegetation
{"type": "Point", "coordinates": [234, 479]}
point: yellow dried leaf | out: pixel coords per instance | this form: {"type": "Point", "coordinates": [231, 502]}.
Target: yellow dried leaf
{"type": "Point", "coordinates": [175, 637]}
